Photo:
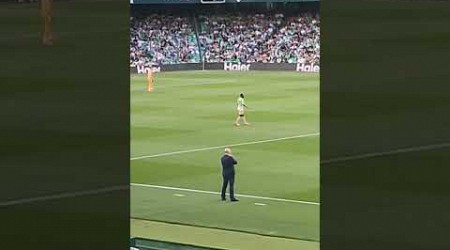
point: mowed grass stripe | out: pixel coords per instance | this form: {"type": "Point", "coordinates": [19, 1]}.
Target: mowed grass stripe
{"type": "Point", "coordinates": [385, 153]}
{"type": "Point", "coordinates": [259, 171]}
{"type": "Point", "coordinates": [217, 193]}
{"type": "Point", "coordinates": [222, 146]}
{"type": "Point", "coordinates": [281, 219]}
{"type": "Point", "coordinates": [214, 237]}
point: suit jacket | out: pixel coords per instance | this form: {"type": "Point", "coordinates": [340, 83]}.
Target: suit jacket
{"type": "Point", "coordinates": [228, 163]}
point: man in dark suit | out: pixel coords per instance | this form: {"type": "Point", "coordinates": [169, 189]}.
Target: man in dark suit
{"type": "Point", "coordinates": [228, 161]}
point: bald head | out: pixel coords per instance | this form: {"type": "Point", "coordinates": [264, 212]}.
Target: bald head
{"type": "Point", "coordinates": [227, 150]}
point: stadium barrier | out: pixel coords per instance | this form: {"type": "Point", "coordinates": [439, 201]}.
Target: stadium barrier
{"type": "Point", "coordinates": [230, 66]}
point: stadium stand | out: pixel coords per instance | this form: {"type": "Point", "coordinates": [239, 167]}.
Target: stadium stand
{"type": "Point", "coordinates": [163, 39]}
{"type": "Point", "coordinates": [245, 38]}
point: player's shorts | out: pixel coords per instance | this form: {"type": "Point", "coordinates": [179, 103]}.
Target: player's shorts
{"type": "Point", "coordinates": [240, 111]}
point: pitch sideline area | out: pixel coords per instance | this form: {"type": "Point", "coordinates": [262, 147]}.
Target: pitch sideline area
{"type": "Point", "coordinates": [251, 215]}
{"type": "Point", "coordinates": [214, 237]}
{"type": "Point", "coordinates": [175, 135]}
{"type": "Point", "coordinates": [217, 193]}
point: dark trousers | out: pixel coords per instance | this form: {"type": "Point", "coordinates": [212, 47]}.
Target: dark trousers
{"type": "Point", "coordinates": [228, 178]}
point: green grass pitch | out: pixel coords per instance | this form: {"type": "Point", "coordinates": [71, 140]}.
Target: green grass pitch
{"type": "Point", "coordinates": [193, 112]}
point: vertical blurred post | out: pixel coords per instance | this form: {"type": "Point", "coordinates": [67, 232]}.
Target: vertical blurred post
{"type": "Point", "coordinates": [150, 79]}
{"type": "Point", "coordinates": [47, 16]}
{"type": "Point", "coordinates": [203, 62]}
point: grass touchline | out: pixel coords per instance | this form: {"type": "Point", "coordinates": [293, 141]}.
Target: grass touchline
{"type": "Point", "coordinates": [215, 193]}
{"type": "Point", "coordinates": [222, 146]}
{"type": "Point", "coordinates": [63, 195]}
{"type": "Point", "coordinates": [385, 153]}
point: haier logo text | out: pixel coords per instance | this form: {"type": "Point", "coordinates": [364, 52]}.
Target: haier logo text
{"type": "Point", "coordinates": [302, 67]}
{"type": "Point", "coordinates": [144, 69]}
{"type": "Point", "coordinates": [236, 66]}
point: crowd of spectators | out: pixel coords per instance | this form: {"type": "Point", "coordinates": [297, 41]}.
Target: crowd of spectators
{"type": "Point", "coordinates": [245, 38]}
{"type": "Point", "coordinates": [162, 39]}
{"type": "Point", "coordinates": [260, 38]}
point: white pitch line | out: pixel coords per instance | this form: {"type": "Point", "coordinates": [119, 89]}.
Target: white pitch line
{"type": "Point", "coordinates": [222, 146]}
{"type": "Point", "coordinates": [384, 153]}
{"type": "Point", "coordinates": [216, 193]}
{"type": "Point", "coordinates": [260, 204]}
{"type": "Point", "coordinates": [62, 196]}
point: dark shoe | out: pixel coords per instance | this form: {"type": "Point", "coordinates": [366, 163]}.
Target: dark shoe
{"type": "Point", "coordinates": [234, 199]}
{"type": "Point", "coordinates": [224, 199]}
